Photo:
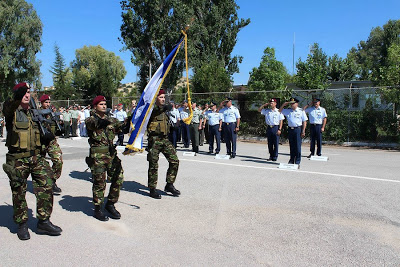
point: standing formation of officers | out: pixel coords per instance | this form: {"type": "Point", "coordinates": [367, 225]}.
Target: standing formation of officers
{"type": "Point", "coordinates": [31, 135]}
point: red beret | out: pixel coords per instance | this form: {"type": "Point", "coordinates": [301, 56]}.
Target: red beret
{"type": "Point", "coordinates": [272, 100]}
{"type": "Point", "coordinates": [120, 104]}
{"type": "Point", "coordinates": [98, 99]}
{"type": "Point", "coordinates": [161, 92]}
{"type": "Point", "coordinates": [44, 98]}
{"type": "Point", "coordinates": [16, 87]}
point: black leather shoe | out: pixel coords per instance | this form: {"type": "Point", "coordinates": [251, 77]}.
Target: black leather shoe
{"type": "Point", "coordinates": [114, 214]}
{"type": "Point", "coordinates": [291, 162]}
{"type": "Point", "coordinates": [56, 189]}
{"type": "Point", "coordinates": [23, 233]}
{"type": "Point", "coordinates": [99, 214]}
{"type": "Point", "coordinates": [154, 194]}
{"type": "Point", "coordinates": [171, 188]}
{"type": "Point", "coordinates": [233, 156]}
{"type": "Point", "coordinates": [309, 156]}
{"type": "Point", "coordinates": [45, 227]}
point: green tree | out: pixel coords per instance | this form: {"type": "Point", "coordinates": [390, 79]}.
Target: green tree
{"type": "Point", "coordinates": [211, 77]}
{"type": "Point", "coordinates": [150, 29]}
{"type": "Point", "coordinates": [62, 77]}
{"type": "Point", "coordinates": [271, 75]}
{"type": "Point", "coordinates": [340, 69]}
{"type": "Point", "coordinates": [97, 71]}
{"type": "Point", "coordinates": [390, 75]}
{"type": "Point", "coordinates": [20, 40]}
{"type": "Point", "coordinates": [313, 73]}
{"type": "Point", "coordinates": [372, 54]}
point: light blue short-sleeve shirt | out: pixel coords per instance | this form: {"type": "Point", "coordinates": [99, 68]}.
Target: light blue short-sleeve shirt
{"type": "Point", "coordinates": [295, 117]}
{"type": "Point", "coordinates": [272, 117]}
{"type": "Point", "coordinates": [213, 117]}
{"type": "Point", "coordinates": [317, 115]}
{"type": "Point", "coordinates": [184, 113]}
{"type": "Point", "coordinates": [174, 115]}
{"type": "Point", "coordinates": [230, 114]}
{"type": "Point", "coordinates": [120, 115]}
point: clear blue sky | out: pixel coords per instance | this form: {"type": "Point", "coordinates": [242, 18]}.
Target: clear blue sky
{"type": "Point", "coordinates": [336, 25]}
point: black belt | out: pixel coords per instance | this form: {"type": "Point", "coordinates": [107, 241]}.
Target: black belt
{"type": "Point", "coordinates": [294, 127]}
{"type": "Point", "coordinates": [272, 126]}
{"type": "Point", "coordinates": [214, 125]}
{"type": "Point", "coordinates": [227, 123]}
{"type": "Point", "coordinates": [195, 123]}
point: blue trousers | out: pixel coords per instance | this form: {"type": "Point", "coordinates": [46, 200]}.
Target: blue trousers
{"type": "Point", "coordinates": [185, 134]}
{"type": "Point", "coordinates": [316, 135]}
{"type": "Point", "coordinates": [213, 131]}
{"type": "Point", "coordinates": [273, 141]}
{"type": "Point", "coordinates": [230, 137]}
{"type": "Point", "coordinates": [295, 145]}
{"type": "Point", "coordinates": [173, 135]}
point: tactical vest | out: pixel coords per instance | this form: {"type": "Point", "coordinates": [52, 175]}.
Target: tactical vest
{"type": "Point", "coordinates": [25, 134]}
{"type": "Point", "coordinates": [158, 125]}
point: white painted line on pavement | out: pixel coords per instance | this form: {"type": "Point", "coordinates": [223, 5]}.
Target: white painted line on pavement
{"type": "Point", "coordinates": [309, 172]}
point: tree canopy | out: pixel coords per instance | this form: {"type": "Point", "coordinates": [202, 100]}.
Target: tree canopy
{"type": "Point", "coordinates": [97, 71]}
{"type": "Point", "coordinates": [62, 77]}
{"type": "Point", "coordinates": [20, 40]}
{"type": "Point", "coordinates": [150, 29]}
{"type": "Point", "coordinates": [313, 73]}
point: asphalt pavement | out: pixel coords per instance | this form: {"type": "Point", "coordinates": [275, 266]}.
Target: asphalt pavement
{"type": "Point", "coordinates": [243, 211]}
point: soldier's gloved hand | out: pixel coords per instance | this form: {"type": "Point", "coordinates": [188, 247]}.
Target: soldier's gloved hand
{"type": "Point", "coordinates": [20, 92]}
{"type": "Point", "coordinates": [168, 107]}
{"type": "Point", "coordinates": [103, 123]}
{"type": "Point", "coordinates": [47, 138]}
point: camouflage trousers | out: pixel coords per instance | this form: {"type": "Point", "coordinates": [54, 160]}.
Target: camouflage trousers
{"type": "Point", "coordinates": [55, 154]}
{"type": "Point", "coordinates": [159, 144]}
{"type": "Point", "coordinates": [41, 174]}
{"type": "Point", "coordinates": [106, 167]}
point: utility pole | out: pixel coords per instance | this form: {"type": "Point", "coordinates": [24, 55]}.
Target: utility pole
{"type": "Point", "coordinates": [294, 44]}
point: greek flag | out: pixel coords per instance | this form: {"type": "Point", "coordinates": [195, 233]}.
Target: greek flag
{"type": "Point", "coordinates": [142, 112]}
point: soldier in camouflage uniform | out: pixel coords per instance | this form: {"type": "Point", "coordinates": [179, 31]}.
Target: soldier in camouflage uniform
{"type": "Point", "coordinates": [53, 149]}
{"type": "Point", "coordinates": [103, 158]}
{"type": "Point", "coordinates": [158, 129]}
{"type": "Point", "coordinates": [24, 158]}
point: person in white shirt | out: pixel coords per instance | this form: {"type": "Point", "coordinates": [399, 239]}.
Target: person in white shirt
{"type": "Point", "coordinates": [297, 122]}
{"type": "Point", "coordinates": [231, 123]}
{"type": "Point", "coordinates": [318, 117]}
{"type": "Point", "coordinates": [174, 118]}
{"type": "Point", "coordinates": [274, 120]}
{"type": "Point", "coordinates": [120, 115]}
{"type": "Point", "coordinates": [82, 126]}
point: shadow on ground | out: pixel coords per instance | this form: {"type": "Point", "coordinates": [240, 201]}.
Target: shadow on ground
{"type": "Point", "coordinates": [86, 175]}
{"type": "Point", "coordinates": [77, 204]}
{"type": "Point", "coordinates": [6, 218]}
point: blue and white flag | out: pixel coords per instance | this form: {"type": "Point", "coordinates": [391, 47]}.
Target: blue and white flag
{"type": "Point", "coordinates": [142, 112]}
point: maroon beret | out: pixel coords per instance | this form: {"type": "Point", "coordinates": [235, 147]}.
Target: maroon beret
{"type": "Point", "coordinates": [20, 85]}
{"type": "Point", "coordinates": [98, 99]}
{"type": "Point", "coordinates": [44, 98]}
{"type": "Point", "coordinates": [161, 92]}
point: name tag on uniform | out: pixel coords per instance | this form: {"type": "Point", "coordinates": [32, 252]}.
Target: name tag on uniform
{"type": "Point", "coordinates": [189, 154]}
{"type": "Point", "coordinates": [223, 157]}
{"type": "Point", "coordinates": [287, 166]}
{"type": "Point", "coordinates": [319, 158]}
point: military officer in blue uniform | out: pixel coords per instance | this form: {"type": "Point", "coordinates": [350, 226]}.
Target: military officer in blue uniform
{"type": "Point", "coordinates": [231, 123]}
{"type": "Point", "coordinates": [318, 117]}
{"type": "Point", "coordinates": [274, 120]}
{"type": "Point", "coordinates": [214, 120]}
{"type": "Point", "coordinates": [297, 122]}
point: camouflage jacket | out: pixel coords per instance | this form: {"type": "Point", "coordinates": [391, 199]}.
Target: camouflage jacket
{"type": "Point", "coordinates": [102, 136]}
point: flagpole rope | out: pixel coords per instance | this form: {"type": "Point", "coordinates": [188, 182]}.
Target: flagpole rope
{"type": "Point", "coordinates": [187, 120]}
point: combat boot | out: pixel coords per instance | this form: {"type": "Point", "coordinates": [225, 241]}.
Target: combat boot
{"type": "Point", "coordinates": [154, 194]}
{"type": "Point", "coordinates": [23, 233]}
{"type": "Point", "coordinates": [114, 214]}
{"type": "Point", "coordinates": [45, 227]}
{"type": "Point", "coordinates": [56, 189]}
{"type": "Point", "coordinates": [99, 214]}
{"type": "Point", "coordinates": [171, 188]}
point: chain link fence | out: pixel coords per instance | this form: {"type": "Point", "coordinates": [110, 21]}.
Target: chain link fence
{"type": "Point", "coordinates": [354, 114]}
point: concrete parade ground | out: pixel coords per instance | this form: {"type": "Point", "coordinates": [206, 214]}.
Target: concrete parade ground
{"type": "Point", "coordinates": [239, 212]}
